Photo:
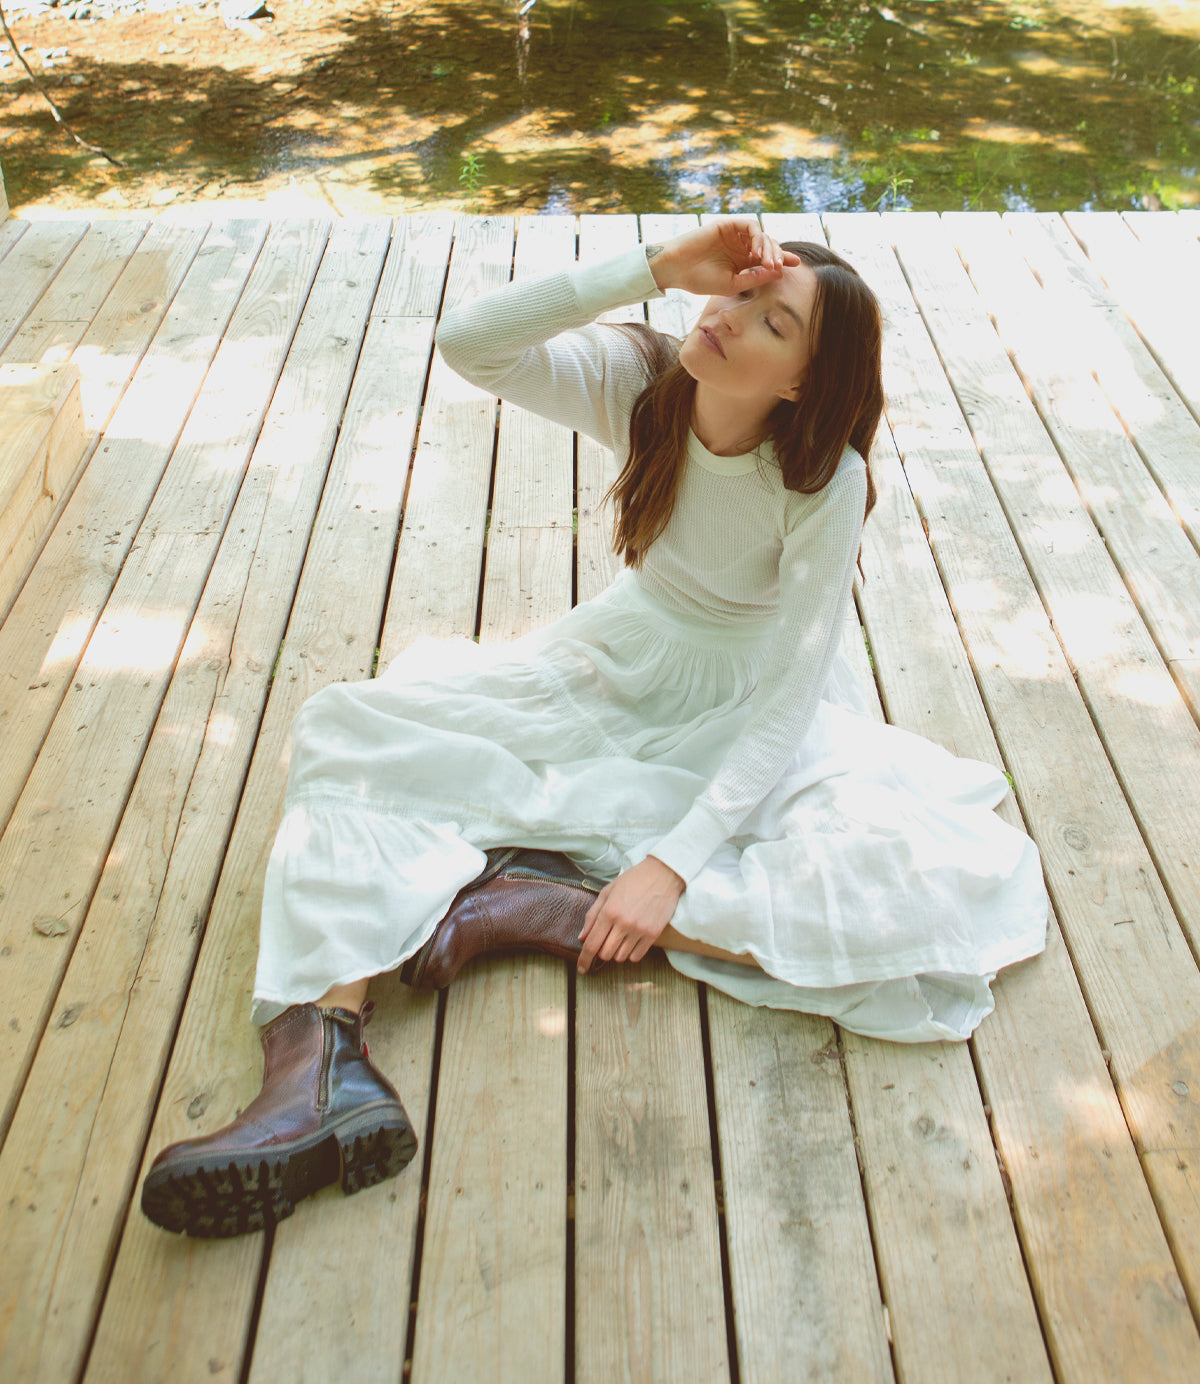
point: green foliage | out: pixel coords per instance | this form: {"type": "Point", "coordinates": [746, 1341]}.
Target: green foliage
{"type": "Point", "coordinates": [471, 173]}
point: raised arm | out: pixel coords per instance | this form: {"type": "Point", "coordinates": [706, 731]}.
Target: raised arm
{"type": "Point", "coordinates": [532, 342]}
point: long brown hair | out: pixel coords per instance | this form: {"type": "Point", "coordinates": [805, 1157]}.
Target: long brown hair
{"type": "Point", "coordinates": [840, 403]}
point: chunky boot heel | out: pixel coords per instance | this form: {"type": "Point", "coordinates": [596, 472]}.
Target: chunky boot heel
{"type": "Point", "coordinates": [324, 1115]}
{"type": "Point", "coordinates": [374, 1157]}
{"type": "Point", "coordinates": [525, 900]}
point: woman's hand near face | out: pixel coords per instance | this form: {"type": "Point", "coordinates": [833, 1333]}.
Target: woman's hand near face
{"type": "Point", "coordinates": [630, 913]}
{"type": "Point", "coordinates": [719, 259]}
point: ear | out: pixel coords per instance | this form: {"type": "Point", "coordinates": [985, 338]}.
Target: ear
{"type": "Point", "coordinates": [796, 392]}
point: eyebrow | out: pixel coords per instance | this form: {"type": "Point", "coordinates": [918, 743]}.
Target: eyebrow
{"type": "Point", "coordinates": [791, 312]}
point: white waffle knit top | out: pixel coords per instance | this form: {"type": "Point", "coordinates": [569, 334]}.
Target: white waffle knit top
{"type": "Point", "coordinates": [740, 547]}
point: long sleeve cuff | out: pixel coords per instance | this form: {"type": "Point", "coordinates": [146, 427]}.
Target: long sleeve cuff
{"type": "Point", "coordinates": [626, 278]}
{"type": "Point", "coordinates": [687, 846]}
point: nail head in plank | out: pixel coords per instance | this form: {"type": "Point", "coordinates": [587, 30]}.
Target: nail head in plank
{"type": "Point", "coordinates": [62, 315]}
{"type": "Point", "coordinates": [29, 268]}
{"type": "Point", "coordinates": [42, 442]}
{"type": "Point", "coordinates": [806, 1296]}
{"type": "Point", "coordinates": [648, 1294]}
{"type": "Point", "coordinates": [146, 926]}
{"type": "Point", "coordinates": [215, 1053]}
{"type": "Point", "coordinates": [1099, 873]}
{"type": "Point", "coordinates": [44, 636]}
{"type": "Point", "coordinates": [1056, 1119]}
{"type": "Point", "coordinates": [492, 1287]}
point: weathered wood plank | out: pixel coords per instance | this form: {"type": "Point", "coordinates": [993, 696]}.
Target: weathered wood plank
{"type": "Point", "coordinates": [415, 273]}
{"type": "Point", "coordinates": [1072, 552]}
{"type": "Point", "coordinates": [435, 589]}
{"type": "Point", "coordinates": [1059, 1129]}
{"type": "Point", "coordinates": [62, 315]}
{"type": "Point", "coordinates": [806, 1295]}
{"type": "Point", "coordinates": [215, 1064]}
{"type": "Point", "coordinates": [45, 634]}
{"type": "Point", "coordinates": [319, 1307]}
{"type": "Point", "coordinates": [42, 444]}
{"type": "Point", "coordinates": [648, 1296]}
{"type": "Point", "coordinates": [1159, 424]}
{"type": "Point", "coordinates": [1135, 272]}
{"type": "Point", "coordinates": [596, 467]}
{"type": "Point", "coordinates": [30, 265]}
{"type": "Point", "coordinates": [492, 1294]}
{"type": "Point", "coordinates": [492, 1288]}
{"type": "Point", "coordinates": [649, 1300]}
{"type": "Point", "coordinates": [527, 574]}
{"type": "Point", "coordinates": [1138, 980]}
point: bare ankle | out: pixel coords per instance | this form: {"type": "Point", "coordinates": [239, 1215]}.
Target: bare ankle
{"type": "Point", "coordinates": [352, 996]}
{"type": "Point", "coordinates": [671, 940]}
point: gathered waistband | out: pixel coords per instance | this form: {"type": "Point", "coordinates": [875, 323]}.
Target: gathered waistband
{"type": "Point", "coordinates": [626, 591]}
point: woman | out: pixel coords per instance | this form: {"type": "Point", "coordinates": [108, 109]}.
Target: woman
{"type": "Point", "coordinates": [682, 762]}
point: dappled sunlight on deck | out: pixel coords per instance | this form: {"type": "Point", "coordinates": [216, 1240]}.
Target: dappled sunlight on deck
{"type": "Point", "coordinates": [621, 1175]}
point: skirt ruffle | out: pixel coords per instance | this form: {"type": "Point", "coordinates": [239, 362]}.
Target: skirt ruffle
{"type": "Point", "coordinates": [874, 883]}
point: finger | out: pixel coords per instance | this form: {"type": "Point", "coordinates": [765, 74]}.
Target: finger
{"type": "Point", "coordinates": [612, 945]}
{"type": "Point", "coordinates": [597, 936]}
{"type": "Point", "coordinates": [587, 955]}
{"type": "Point", "coordinates": [594, 912]}
{"type": "Point", "coordinates": [756, 273]}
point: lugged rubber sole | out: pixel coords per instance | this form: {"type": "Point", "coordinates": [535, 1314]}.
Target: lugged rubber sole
{"type": "Point", "coordinates": [214, 1199]}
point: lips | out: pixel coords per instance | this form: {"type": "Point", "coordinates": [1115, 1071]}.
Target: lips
{"type": "Point", "coordinates": [710, 339]}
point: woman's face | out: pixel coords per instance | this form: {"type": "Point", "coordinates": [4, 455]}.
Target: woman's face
{"type": "Point", "coordinates": [756, 345]}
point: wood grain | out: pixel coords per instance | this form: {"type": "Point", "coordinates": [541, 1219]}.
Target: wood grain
{"type": "Point", "coordinates": [493, 1288]}
{"type": "Point", "coordinates": [215, 1065]}
{"type": "Point", "coordinates": [30, 266]}
{"type": "Point", "coordinates": [1046, 738]}
{"type": "Point", "coordinates": [1138, 272]}
{"type": "Point", "coordinates": [47, 630]}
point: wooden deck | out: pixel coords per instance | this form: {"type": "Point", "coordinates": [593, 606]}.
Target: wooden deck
{"type": "Point", "coordinates": [624, 1178]}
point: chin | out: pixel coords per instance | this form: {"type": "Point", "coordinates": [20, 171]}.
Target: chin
{"type": "Point", "coordinates": [691, 356]}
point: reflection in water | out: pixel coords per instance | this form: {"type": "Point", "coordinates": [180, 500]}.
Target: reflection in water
{"type": "Point", "coordinates": [571, 105]}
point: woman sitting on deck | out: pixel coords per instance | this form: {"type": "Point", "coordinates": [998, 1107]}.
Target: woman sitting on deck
{"type": "Point", "coordinates": [684, 762]}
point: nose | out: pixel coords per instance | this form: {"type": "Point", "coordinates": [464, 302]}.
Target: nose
{"type": "Point", "coordinates": [727, 315]}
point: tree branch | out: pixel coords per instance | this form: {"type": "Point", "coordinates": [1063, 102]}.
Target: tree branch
{"type": "Point", "coordinates": [41, 90]}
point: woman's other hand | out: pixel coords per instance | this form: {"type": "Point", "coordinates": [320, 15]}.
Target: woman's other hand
{"type": "Point", "coordinates": [630, 913]}
{"type": "Point", "coordinates": [719, 259]}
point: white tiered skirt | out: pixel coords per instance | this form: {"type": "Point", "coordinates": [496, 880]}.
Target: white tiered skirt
{"type": "Point", "coordinates": [874, 883]}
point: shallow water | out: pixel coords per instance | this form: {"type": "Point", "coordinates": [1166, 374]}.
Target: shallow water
{"type": "Point", "coordinates": [713, 105]}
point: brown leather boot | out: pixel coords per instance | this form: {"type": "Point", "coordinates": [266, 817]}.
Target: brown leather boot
{"type": "Point", "coordinates": [524, 900]}
{"type": "Point", "coordinates": [324, 1113]}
